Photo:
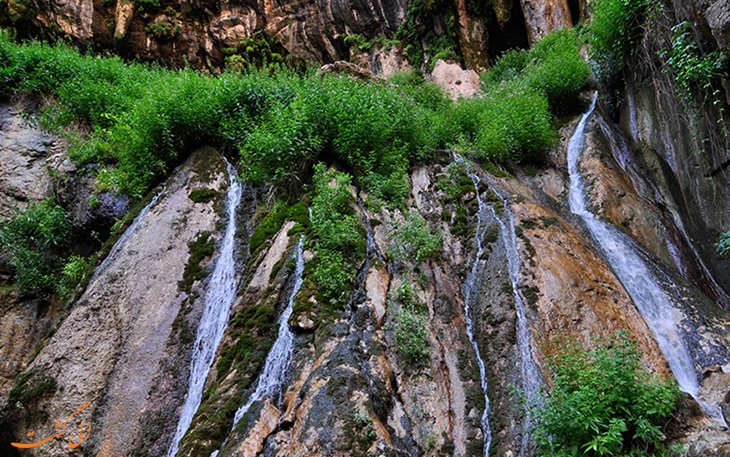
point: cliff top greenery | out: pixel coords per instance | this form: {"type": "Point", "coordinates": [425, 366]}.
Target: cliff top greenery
{"type": "Point", "coordinates": [139, 120]}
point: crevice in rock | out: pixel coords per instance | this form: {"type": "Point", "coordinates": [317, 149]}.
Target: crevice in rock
{"type": "Point", "coordinates": [511, 35]}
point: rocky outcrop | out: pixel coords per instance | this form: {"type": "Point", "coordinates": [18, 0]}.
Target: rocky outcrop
{"type": "Point", "coordinates": [28, 156]}
{"type": "Point", "coordinates": [203, 33]}
{"type": "Point", "coordinates": [456, 81]}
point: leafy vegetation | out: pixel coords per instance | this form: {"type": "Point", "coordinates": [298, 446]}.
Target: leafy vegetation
{"type": "Point", "coordinates": [612, 33]}
{"type": "Point", "coordinates": [340, 242]}
{"type": "Point", "coordinates": [144, 118]}
{"type": "Point", "coordinates": [723, 244]}
{"type": "Point", "coordinates": [603, 402]}
{"type": "Point", "coordinates": [410, 326]}
{"type": "Point", "coordinates": [35, 242]}
{"type": "Point", "coordinates": [553, 68]}
{"type": "Point", "coordinates": [695, 71]}
{"type": "Point", "coordinates": [413, 240]}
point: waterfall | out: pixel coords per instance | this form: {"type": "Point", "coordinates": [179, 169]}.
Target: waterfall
{"type": "Point", "coordinates": [637, 277]}
{"type": "Point", "coordinates": [470, 291]}
{"type": "Point", "coordinates": [277, 361]}
{"type": "Point", "coordinates": [219, 299]}
{"type": "Point", "coordinates": [529, 370]}
{"type": "Point", "coordinates": [126, 235]}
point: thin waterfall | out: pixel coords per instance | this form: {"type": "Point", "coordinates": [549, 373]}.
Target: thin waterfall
{"type": "Point", "coordinates": [529, 370]}
{"type": "Point", "coordinates": [126, 235]}
{"type": "Point", "coordinates": [470, 291]}
{"type": "Point", "coordinates": [219, 298]}
{"type": "Point", "coordinates": [277, 363]}
{"type": "Point", "coordinates": [637, 277]}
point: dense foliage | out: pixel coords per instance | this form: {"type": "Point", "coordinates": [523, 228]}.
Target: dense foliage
{"type": "Point", "coordinates": [340, 242]}
{"type": "Point", "coordinates": [603, 402]}
{"type": "Point", "coordinates": [695, 71]}
{"type": "Point", "coordinates": [613, 31]}
{"type": "Point", "coordinates": [143, 118]}
{"type": "Point", "coordinates": [413, 240]}
{"type": "Point", "coordinates": [35, 243]}
{"type": "Point", "coordinates": [410, 327]}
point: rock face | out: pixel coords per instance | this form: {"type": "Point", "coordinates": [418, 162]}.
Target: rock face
{"type": "Point", "coordinates": [27, 153]}
{"type": "Point", "coordinates": [126, 343]}
{"type": "Point", "coordinates": [203, 33]}
{"type": "Point", "coordinates": [455, 81]}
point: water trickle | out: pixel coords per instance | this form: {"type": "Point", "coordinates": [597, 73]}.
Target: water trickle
{"type": "Point", "coordinates": [219, 299]}
{"type": "Point", "coordinates": [470, 291]}
{"type": "Point", "coordinates": [529, 370]}
{"type": "Point", "coordinates": [271, 380]}
{"type": "Point", "coordinates": [637, 277]}
{"type": "Point", "coordinates": [126, 235]}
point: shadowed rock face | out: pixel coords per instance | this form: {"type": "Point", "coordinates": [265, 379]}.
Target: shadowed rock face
{"type": "Point", "coordinates": [200, 32]}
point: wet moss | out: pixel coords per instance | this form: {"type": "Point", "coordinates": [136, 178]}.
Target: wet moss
{"type": "Point", "coordinates": [29, 387]}
{"type": "Point", "coordinates": [531, 294]}
{"type": "Point", "coordinates": [199, 249]}
{"type": "Point", "coordinates": [203, 195]}
{"type": "Point", "coordinates": [274, 220]}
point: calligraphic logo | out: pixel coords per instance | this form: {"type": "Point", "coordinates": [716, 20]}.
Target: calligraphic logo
{"type": "Point", "coordinates": [60, 426]}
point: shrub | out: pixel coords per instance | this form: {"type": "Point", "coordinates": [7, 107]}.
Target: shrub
{"type": "Point", "coordinates": [514, 124]}
{"type": "Point", "coordinates": [413, 240]}
{"type": "Point", "coordinates": [553, 68]}
{"type": "Point", "coordinates": [612, 32]}
{"type": "Point", "coordinates": [602, 401]}
{"type": "Point", "coordinates": [339, 239]}
{"type": "Point", "coordinates": [723, 244]}
{"type": "Point", "coordinates": [34, 241]}
{"type": "Point", "coordinates": [411, 336]}
{"type": "Point", "coordinates": [142, 119]}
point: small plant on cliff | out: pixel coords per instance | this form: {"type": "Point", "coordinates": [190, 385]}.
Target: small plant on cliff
{"type": "Point", "coordinates": [695, 71]}
{"type": "Point", "coordinates": [603, 402]}
{"type": "Point", "coordinates": [410, 326]}
{"type": "Point", "coordinates": [413, 240]}
{"type": "Point", "coordinates": [339, 241]}
{"type": "Point", "coordinates": [34, 242]}
{"type": "Point", "coordinates": [723, 244]}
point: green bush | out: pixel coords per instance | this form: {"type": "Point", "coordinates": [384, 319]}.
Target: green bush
{"type": "Point", "coordinates": [613, 32]}
{"type": "Point", "coordinates": [142, 119]}
{"type": "Point", "coordinates": [339, 243]}
{"type": "Point", "coordinates": [34, 241]}
{"type": "Point", "coordinates": [553, 68]}
{"type": "Point", "coordinates": [602, 402]}
{"type": "Point", "coordinates": [410, 326]}
{"type": "Point", "coordinates": [413, 240]}
{"type": "Point", "coordinates": [723, 244]}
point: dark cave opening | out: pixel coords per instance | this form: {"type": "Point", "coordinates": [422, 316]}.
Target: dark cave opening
{"type": "Point", "coordinates": [574, 6]}
{"type": "Point", "coordinates": [511, 35]}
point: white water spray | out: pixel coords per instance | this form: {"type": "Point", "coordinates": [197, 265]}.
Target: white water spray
{"type": "Point", "coordinates": [646, 291]}
{"type": "Point", "coordinates": [277, 363]}
{"type": "Point", "coordinates": [126, 235]}
{"type": "Point", "coordinates": [529, 370]}
{"type": "Point", "coordinates": [470, 291]}
{"type": "Point", "coordinates": [219, 299]}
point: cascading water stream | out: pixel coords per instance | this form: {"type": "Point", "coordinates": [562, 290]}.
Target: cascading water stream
{"type": "Point", "coordinates": [219, 298]}
{"type": "Point", "coordinates": [635, 274]}
{"type": "Point", "coordinates": [529, 370]}
{"type": "Point", "coordinates": [277, 361]}
{"type": "Point", "coordinates": [126, 235]}
{"type": "Point", "coordinates": [470, 290]}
